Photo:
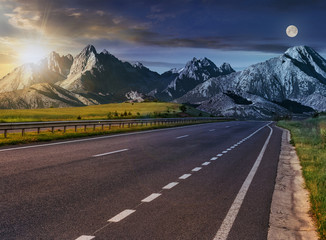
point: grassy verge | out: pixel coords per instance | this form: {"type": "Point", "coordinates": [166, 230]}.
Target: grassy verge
{"type": "Point", "coordinates": [104, 111]}
{"type": "Point", "coordinates": [30, 137]}
{"type": "Point", "coordinates": [309, 138]}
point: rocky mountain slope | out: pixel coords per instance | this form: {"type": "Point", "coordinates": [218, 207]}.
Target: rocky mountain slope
{"type": "Point", "coordinates": [101, 78]}
{"type": "Point", "coordinates": [104, 75]}
{"type": "Point", "coordinates": [42, 95]}
{"type": "Point", "coordinates": [298, 76]}
{"type": "Point", "coordinates": [52, 69]}
{"type": "Point", "coordinates": [195, 72]}
{"type": "Point", "coordinates": [292, 82]}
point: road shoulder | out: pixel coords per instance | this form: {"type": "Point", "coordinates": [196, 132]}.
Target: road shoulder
{"type": "Point", "coordinates": [289, 217]}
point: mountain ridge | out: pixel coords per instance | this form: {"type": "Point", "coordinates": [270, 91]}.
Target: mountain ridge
{"type": "Point", "coordinates": [297, 77]}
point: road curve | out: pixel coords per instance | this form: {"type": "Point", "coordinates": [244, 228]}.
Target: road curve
{"type": "Point", "coordinates": [208, 181]}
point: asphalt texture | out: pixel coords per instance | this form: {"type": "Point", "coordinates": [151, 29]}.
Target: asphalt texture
{"type": "Point", "coordinates": [69, 190]}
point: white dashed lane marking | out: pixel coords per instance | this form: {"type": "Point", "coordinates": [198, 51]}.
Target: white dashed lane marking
{"type": "Point", "coordinates": [223, 231]}
{"type": "Point", "coordinates": [85, 237]}
{"type": "Point", "coordinates": [182, 136]}
{"type": "Point", "coordinates": [196, 169]}
{"type": "Point", "coordinates": [185, 176]}
{"type": "Point", "coordinates": [170, 185]}
{"type": "Point", "coordinates": [151, 197]}
{"type": "Point", "coordinates": [108, 153]}
{"type": "Point", "coordinates": [122, 215]}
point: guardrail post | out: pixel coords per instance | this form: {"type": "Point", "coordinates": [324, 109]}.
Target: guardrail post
{"type": "Point", "coordinates": [75, 128]}
{"type": "Point", "coordinates": [102, 127]}
{"type": "Point", "coordinates": [52, 129]}
{"type": "Point", "coordinates": [64, 129]}
{"type": "Point", "coordinates": [94, 126]}
{"type": "Point", "coordinates": [38, 130]}
{"type": "Point", "coordinates": [110, 126]}
{"type": "Point", "coordinates": [5, 133]}
{"type": "Point", "coordinates": [85, 128]}
{"type": "Point", "coordinates": [23, 132]}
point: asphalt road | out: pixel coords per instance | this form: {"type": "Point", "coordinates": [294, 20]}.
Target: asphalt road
{"type": "Point", "coordinates": [208, 181]}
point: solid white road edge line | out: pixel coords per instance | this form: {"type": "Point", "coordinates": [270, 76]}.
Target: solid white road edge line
{"type": "Point", "coordinates": [185, 176]}
{"type": "Point", "coordinates": [97, 138]}
{"type": "Point", "coordinates": [108, 153]}
{"type": "Point", "coordinates": [151, 197]}
{"type": "Point", "coordinates": [85, 237]}
{"type": "Point", "coordinates": [122, 215]}
{"type": "Point", "coordinates": [227, 223]}
{"type": "Point", "coordinates": [170, 185]}
{"type": "Point", "coordinates": [182, 136]}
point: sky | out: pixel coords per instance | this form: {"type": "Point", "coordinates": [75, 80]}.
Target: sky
{"type": "Point", "coordinates": [160, 34]}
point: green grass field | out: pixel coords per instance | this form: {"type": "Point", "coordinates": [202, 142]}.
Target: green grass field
{"type": "Point", "coordinates": [98, 112]}
{"type": "Point", "coordinates": [309, 138]}
{"type": "Point", "coordinates": [104, 111]}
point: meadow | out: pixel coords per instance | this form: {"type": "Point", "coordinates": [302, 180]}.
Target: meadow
{"type": "Point", "coordinates": [96, 112]}
{"type": "Point", "coordinates": [309, 139]}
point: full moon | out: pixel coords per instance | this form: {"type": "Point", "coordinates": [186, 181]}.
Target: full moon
{"type": "Point", "coordinates": [292, 31]}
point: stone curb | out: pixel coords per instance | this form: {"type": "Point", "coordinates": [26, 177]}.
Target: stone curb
{"type": "Point", "coordinates": [289, 217]}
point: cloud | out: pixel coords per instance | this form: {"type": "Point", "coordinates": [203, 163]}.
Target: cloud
{"type": "Point", "coordinates": [63, 21]}
{"type": "Point", "coordinates": [182, 23]}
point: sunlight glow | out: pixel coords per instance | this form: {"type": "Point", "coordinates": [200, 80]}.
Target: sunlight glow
{"type": "Point", "coordinates": [33, 54]}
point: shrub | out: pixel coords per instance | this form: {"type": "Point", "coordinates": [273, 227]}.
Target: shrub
{"type": "Point", "coordinates": [183, 108]}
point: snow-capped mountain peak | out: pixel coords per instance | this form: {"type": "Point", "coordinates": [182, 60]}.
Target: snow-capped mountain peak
{"type": "Point", "coordinates": [308, 60]}
{"type": "Point", "coordinates": [195, 72]}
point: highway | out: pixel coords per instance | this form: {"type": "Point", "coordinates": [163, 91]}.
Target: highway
{"type": "Point", "coordinates": [206, 181]}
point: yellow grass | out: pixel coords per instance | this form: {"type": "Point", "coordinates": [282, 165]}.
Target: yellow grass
{"type": "Point", "coordinates": [145, 109]}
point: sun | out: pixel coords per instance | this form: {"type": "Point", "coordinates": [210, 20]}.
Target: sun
{"type": "Point", "coordinates": [32, 54]}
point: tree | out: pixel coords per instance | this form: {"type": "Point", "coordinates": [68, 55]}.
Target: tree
{"type": "Point", "coordinates": [183, 108]}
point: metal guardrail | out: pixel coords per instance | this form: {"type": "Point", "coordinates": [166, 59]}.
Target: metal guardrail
{"type": "Point", "coordinates": [6, 127]}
